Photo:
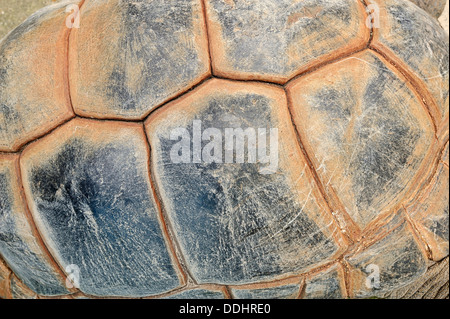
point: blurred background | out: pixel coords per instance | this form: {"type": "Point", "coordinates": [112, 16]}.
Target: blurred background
{"type": "Point", "coordinates": [13, 12]}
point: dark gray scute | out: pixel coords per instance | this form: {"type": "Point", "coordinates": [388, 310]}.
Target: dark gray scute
{"type": "Point", "coordinates": [234, 224]}
{"type": "Point", "coordinates": [100, 215]}
{"type": "Point", "coordinates": [35, 272]}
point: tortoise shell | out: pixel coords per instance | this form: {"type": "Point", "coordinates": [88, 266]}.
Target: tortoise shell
{"type": "Point", "coordinates": [116, 181]}
{"type": "Point", "coordinates": [433, 7]}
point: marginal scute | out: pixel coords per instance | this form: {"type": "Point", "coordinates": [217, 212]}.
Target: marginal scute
{"type": "Point", "coordinates": [290, 291]}
{"type": "Point", "coordinates": [392, 262]}
{"type": "Point", "coordinates": [430, 213]}
{"type": "Point", "coordinates": [433, 285]}
{"type": "Point", "coordinates": [420, 43]}
{"type": "Point", "coordinates": [33, 93]}
{"type": "Point", "coordinates": [433, 7]}
{"type": "Point", "coordinates": [366, 131]}
{"type": "Point", "coordinates": [328, 284]}
{"type": "Point", "coordinates": [128, 57]}
{"type": "Point", "coordinates": [18, 245]}
{"type": "Point", "coordinates": [234, 224]}
{"type": "Point", "coordinates": [275, 40]}
{"type": "Point", "coordinates": [89, 192]}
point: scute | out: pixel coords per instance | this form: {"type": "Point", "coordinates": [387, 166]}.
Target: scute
{"type": "Point", "coordinates": [328, 284]}
{"type": "Point", "coordinates": [237, 225]}
{"type": "Point", "coordinates": [18, 244]}
{"type": "Point", "coordinates": [366, 129]}
{"type": "Point", "coordinates": [395, 260]}
{"type": "Point", "coordinates": [90, 196]}
{"type": "Point", "coordinates": [92, 117]}
{"type": "Point", "coordinates": [430, 213]}
{"type": "Point", "coordinates": [421, 45]}
{"type": "Point", "coordinates": [433, 7]}
{"type": "Point", "coordinates": [290, 291]}
{"type": "Point", "coordinates": [33, 93]}
{"type": "Point", "coordinates": [131, 56]}
{"type": "Point", "coordinates": [275, 40]}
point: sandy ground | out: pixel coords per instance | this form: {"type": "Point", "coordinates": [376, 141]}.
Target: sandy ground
{"type": "Point", "coordinates": [13, 12]}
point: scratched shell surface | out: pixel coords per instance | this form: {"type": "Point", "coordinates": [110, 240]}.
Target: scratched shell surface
{"type": "Point", "coordinates": [394, 264]}
{"type": "Point", "coordinates": [106, 224]}
{"type": "Point", "coordinates": [4, 280]}
{"type": "Point", "coordinates": [274, 40]}
{"type": "Point", "coordinates": [433, 7]}
{"type": "Point", "coordinates": [368, 132]}
{"type": "Point", "coordinates": [18, 244]}
{"type": "Point", "coordinates": [430, 212]}
{"type": "Point", "coordinates": [19, 290]}
{"type": "Point", "coordinates": [238, 225]}
{"type": "Point", "coordinates": [87, 180]}
{"type": "Point", "coordinates": [282, 292]}
{"type": "Point", "coordinates": [131, 56]}
{"type": "Point", "coordinates": [197, 294]}
{"type": "Point", "coordinates": [326, 285]}
{"type": "Point", "coordinates": [32, 61]}
{"type": "Point", "coordinates": [425, 53]}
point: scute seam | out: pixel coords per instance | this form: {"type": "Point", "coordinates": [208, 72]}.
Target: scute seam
{"type": "Point", "coordinates": [36, 231]}
{"type": "Point", "coordinates": [175, 252]}
{"type": "Point", "coordinates": [314, 68]}
{"type": "Point", "coordinates": [419, 87]}
{"type": "Point", "coordinates": [350, 231]}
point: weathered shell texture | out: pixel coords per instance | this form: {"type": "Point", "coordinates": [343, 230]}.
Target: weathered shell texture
{"type": "Point", "coordinates": [433, 7]}
{"type": "Point", "coordinates": [357, 205]}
